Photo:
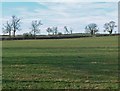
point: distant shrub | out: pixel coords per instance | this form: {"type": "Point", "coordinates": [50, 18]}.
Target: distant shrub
{"type": "Point", "coordinates": [59, 33]}
{"type": "Point", "coordinates": [27, 35]}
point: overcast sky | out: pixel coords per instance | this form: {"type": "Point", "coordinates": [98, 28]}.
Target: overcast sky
{"type": "Point", "coordinates": [75, 15]}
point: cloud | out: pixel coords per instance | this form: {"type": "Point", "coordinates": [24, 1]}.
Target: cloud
{"type": "Point", "coordinates": [60, 0]}
{"type": "Point", "coordinates": [74, 15]}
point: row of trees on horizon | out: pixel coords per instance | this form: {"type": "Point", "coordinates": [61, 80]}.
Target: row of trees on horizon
{"type": "Point", "coordinates": [14, 25]}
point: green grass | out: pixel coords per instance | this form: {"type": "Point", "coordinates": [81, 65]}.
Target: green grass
{"type": "Point", "coordinates": [83, 63]}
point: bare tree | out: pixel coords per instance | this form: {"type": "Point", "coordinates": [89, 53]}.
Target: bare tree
{"type": "Point", "coordinates": [7, 28]}
{"type": "Point", "coordinates": [49, 30]}
{"type": "Point", "coordinates": [91, 28]}
{"type": "Point", "coordinates": [15, 24]}
{"type": "Point", "coordinates": [54, 30]}
{"type": "Point", "coordinates": [71, 30]}
{"type": "Point", "coordinates": [35, 27]}
{"type": "Point", "coordinates": [66, 30]}
{"type": "Point", "coordinates": [109, 27]}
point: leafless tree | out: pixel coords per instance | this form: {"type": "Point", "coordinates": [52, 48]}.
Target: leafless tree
{"type": "Point", "coordinates": [7, 28]}
{"type": "Point", "coordinates": [91, 28]}
{"type": "Point", "coordinates": [109, 27]}
{"type": "Point", "coordinates": [66, 30]}
{"type": "Point", "coordinates": [55, 30]}
{"type": "Point", "coordinates": [52, 30]}
{"type": "Point", "coordinates": [49, 30]}
{"type": "Point", "coordinates": [35, 27]}
{"type": "Point", "coordinates": [15, 24]}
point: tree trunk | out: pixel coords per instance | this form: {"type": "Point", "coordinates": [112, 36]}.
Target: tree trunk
{"type": "Point", "coordinates": [10, 34]}
{"type": "Point", "coordinates": [92, 32]}
{"type": "Point", "coordinates": [14, 33]}
{"type": "Point", "coordinates": [110, 32]}
{"type": "Point", "coordinates": [34, 35]}
{"type": "Point", "coordinates": [53, 33]}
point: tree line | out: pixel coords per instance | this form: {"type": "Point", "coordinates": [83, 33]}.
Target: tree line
{"type": "Point", "coordinates": [14, 25]}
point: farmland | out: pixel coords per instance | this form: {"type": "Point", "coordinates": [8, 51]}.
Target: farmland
{"type": "Point", "coordinates": [79, 63]}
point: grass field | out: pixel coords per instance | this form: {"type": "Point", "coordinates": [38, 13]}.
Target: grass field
{"type": "Point", "coordinates": [83, 63]}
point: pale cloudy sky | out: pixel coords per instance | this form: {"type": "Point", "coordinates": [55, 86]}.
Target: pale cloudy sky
{"type": "Point", "coordinates": [75, 15]}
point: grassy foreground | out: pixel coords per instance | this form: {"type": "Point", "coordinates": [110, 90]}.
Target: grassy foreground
{"type": "Point", "coordinates": [83, 63]}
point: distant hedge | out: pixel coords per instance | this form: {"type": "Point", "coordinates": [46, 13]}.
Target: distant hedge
{"type": "Point", "coordinates": [55, 37]}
